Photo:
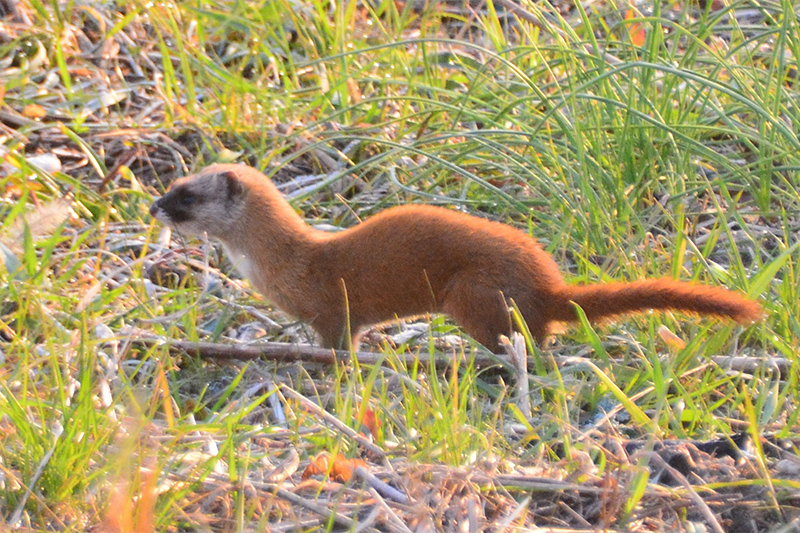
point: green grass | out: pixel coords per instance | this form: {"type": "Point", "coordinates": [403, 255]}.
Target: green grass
{"type": "Point", "coordinates": [676, 155]}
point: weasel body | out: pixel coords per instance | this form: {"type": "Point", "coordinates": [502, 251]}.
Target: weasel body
{"type": "Point", "coordinates": [406, 261]}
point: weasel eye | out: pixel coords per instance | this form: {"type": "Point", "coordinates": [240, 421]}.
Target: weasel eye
{"type": "Point", "coordinates": [186, 200]}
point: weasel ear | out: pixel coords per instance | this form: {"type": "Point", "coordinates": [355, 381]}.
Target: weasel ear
{"type": "Point", "coordinates": [234, 186]}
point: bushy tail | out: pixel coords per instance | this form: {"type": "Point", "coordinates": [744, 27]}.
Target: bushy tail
{"type": "Point", "coordinates": [609, 299]}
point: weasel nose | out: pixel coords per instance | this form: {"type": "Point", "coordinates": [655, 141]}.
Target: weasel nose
{"type": "Point", "coordinates": [154, 208]}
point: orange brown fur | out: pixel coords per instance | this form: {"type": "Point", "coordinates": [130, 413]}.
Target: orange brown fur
{"type": "Point", "coordinates": [407, 261]}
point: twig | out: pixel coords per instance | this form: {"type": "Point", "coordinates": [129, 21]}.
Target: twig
{"type": "Point", "coordinates": [383, 488]}
{"type": "Point", "coordinates": [701, 504]}
{"type": "Point", "coordinates": [285, 352]}
{"type": "Point", "coordinates": [475, 519]}
{"type": "Point", "coordinates": [291, 497]}
{"type": "Point", "coordinates": [537, 484]}
{"type": "Point", "coordinates": [741, 363]}
{"type": "Point", "coordinates": [395, 520]}
{"type": "Point", "coordinates": [124, 160]}
{"type": "Point", "coordinates": [288, 353]}
{"type": "Point", "coordinates": [515, 347]}
{"type": "Point", "coordinates": [213, 480]}
{"type": "Point", "coordinates": [367, 522]}
{"type": "Point", "coordinates": [332, 420]}
{"type": "Point", "coordinates": [17, 515]}
{"type": "Point", "coordinates": [316, 508]}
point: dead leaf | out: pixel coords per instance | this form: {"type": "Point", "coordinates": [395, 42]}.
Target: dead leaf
{"type": "Point", "coordinates": [354, 91]}
{"type": "Point", "coordinates": [34, 111]}
{"type": "Point", "coordinates": [672, 340]}
{"type": "Point", "coordinates": [635, 29]}
{"type": "Point", "coordinates": [341, 470]}
{"type": "Point", "coordinates": [127, 515]}
{"type": "Point", "coordinates": [371, 421]}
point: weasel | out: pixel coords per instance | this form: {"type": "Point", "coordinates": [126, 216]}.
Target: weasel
{"type": "Point", "coordinates": [406, 261]}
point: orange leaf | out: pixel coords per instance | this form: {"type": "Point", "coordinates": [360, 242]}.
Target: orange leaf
{"type": "Point", "coordinates": [635, 29]}
{"type": "Point", "coordinates": [80, 72]}
{"type": "Point", "coordinates": [318, 465]}
{"type": "Point", "coordinates": [132, 515]}
{"type": "Point", "coordinates": [371, 420]}
{"type": "Point", "coordinates": [672, 340]}
{"type": "Point", "coordinates": [354, 91]}
{"type": "Point", "coordinates": [34, 111]}
{"type": "Point", "coordinates": [341, 470]}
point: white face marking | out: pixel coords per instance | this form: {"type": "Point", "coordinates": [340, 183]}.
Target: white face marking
{"type": "Point", "coordinates": [241, 263]}
{"type": "Point", "coordinates": [244, 266]}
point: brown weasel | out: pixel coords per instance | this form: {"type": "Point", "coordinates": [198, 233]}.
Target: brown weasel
{"type": "Point", "coordinates": [406, 261]}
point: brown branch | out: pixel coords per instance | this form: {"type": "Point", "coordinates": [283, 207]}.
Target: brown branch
{"type": "Point", "coordinates": [285, 352]}
{"type": "Point", "coordinates": [333, 421]}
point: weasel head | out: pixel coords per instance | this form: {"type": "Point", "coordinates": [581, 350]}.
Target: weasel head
{"type": "Point", "coordinates": [211, 201]}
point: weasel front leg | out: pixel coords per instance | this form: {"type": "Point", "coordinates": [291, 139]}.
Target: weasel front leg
{"type": "Point", "coordinates": [332, 332]}
{"type": "Point", "coordinates": [480, 310]}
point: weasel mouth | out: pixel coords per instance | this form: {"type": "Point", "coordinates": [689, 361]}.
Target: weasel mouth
{"type": "Point", "coordinates": [170, 211]}
{"type": "Point", "coordinates": [157, 213]}
{"type": "Point", "coordinates": [161, 214]}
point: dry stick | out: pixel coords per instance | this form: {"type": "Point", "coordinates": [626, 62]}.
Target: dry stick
{"type": "Point", "coordinates": [125, 160]}
{"type": "Point", "coordinates": [475, 517]}
{"type": "Point", "coordinates": [383, 488]}
{"type": "Point", "coordinates": [695, 497]}
{"type": "Point", "coordinates": [367, 522]}
{"type": "Point", "coordinates": [537, 484]}
{"type": "Point", "coordinates": [316, 508]}
{"type": "Point", "coordinates": [285, 352]}
{"type": "Point", "coordinates": [291, 353]}
{"type": "Point", "coordinates": [213, 481]}
{"type": "Point", "coordinates": [291, 497]}
{"type": "Point", "coordinates": [17, 516]}
{"type": "Point", "coordinates": [515, 347]}
{"type": "Point", "coordinates": [395, 520]}
{"type": "Point", "coordinates": [332, 420]}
